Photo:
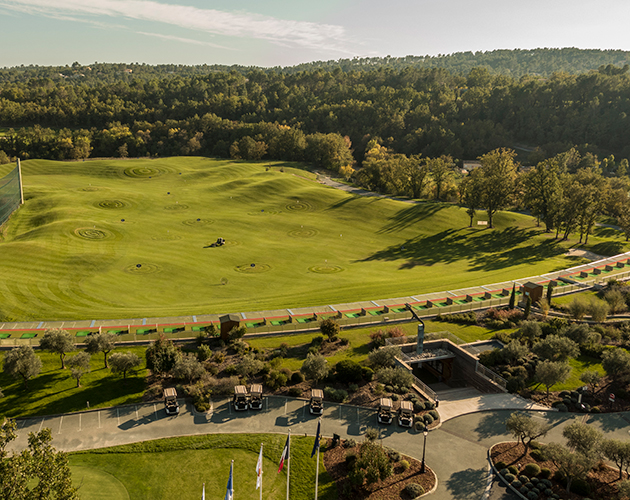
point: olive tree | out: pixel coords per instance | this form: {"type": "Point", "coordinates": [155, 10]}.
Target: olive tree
{"type": "Point", "coordinates": [102, 342]}
{"type": "Point", "coordinates": [315, 367]}
{"type": "Point", "coordinates": [583, 438]}
{"type": "Point", "coordinates": [616, 363]}
{"type": "Point", "coordinates": [123, 362]}
{"type": "Point", "coordinates": [58, 341]}
{"type": "Point", "coordinates": [556, 348]}
{"type": "Point", "coordinates": [79, 365]}
{"type": "Point", "coordinates": [188, 368]}
{"type": "Point", "coordinates": [162, 355]}
{"type": "Point", "coordinates": [549, 373]}
{"type": "Point", "coordinates": [571, 465]}
{"type": "Point", "coordinates": [22, 362]}
{"type": "Point", "coordinates": [525, 428]}
{"type": "Point", "coordinates": [592, 378]}
{"type": "Point", "coordinates": [330, 328]}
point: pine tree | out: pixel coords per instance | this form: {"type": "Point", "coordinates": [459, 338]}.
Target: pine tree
{"type": "Point", "coordinates": [513, 296]}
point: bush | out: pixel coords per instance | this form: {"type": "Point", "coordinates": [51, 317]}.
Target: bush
{"type": "Point", "coordinates": [580, 487]}
{"type": "Point", "coordinates": [531, 470]}
{"type": "Point", "coordinates": [317, 341]}
{"type": "Point", "coordinates": [353, 387]}
{"type": "Point", "coordinates": [532, 495]}
{"type": "Point", "coordinates": [338, 395]}
{"type": "Point", "coordinates": [295, 392]}
{"type": "Point", "coordinates": [404, 465]}
{"type": "Point", "coordinates": [413, 490]}
{"type": "Point", "coordinates": [517, 484]}
{"type": "Point", "coordinates": [275, 379]}
{"type": "Point", "coordinates": [509, 477]}
{"type": "Point", "coordinates": [434, 414]}
{"type": "Point", "coordinates": [349, 443]}
{"type": "Point", "coordinates": [395, 397]}
{"type": "Point", "coordinates": [537, 455]}
{"type": "Point", "coordinates": [371, 434]}
{"type": "Point", "coordinates": [384, 357]}
{"type": "Point", "coordinates": [513, 470]}
{"type": "Point", "coordinates": [500, 465]}
{"type": "Point", "coordinates": [297, 378]}
{"type": "Point", "coordinates": [367, 373]}
{"type": "Point", "coordinates": [523, 479]}
{"type": "Point", "coordinates": [395, 377]}
{"type": "Point", "coordinates": [428, 419]}
{"type": "Point", "coordinates": [204, 353]}
{"type": "Point", "coordinates": [562, 407]}
{"type": "Point", "coordinates": [351, 458]}
{"type": "Point", "coordinates": [419, 406]}
{"type": "Point", "coordinates": [349, 371]}
{"type": "Point", "coordinates": [344, 341]}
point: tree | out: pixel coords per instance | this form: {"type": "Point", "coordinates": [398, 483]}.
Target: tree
{"type": "Point", "coordinates": [22, 362]}
{"type": "Point", "coordinates": [514, 351]}
{"type": "Point", "coordinates": [525, 428]}
{"type": "Point", "coordinates": [571, 465]}
{"type": "Point", "coordinates": [79, 365]}
{"type": "Point", "coordinates": [618, 452]}
{"type": "Point", "coordinates": [542, 188]}
{"type": "Point", "coordinates": [162, 355]}
{"type": "Point", "coordinates": [349, 371]}
{"type": "Point", "coordinates": [441, 173]}
{"type": "Point", "coordinates": [592, 378]}
{"type": "Point", "coordinates": [58, 341]}
{"type": "Point", "coordinates": [373, 459]}
{"type": "Point", "coordinates": [101, 342]}
{"type": "Point", "coordinates": [583, 438]}
{"type": "Point", "coordinates": [624, 488]}
{"type": "Point", "coordinates": [249, 366]}
{"type": "Point", "coordinates": [39, 472]}
{"type": "Point", "coordinates": [513, 297]}
{"type": "Point", "coordinates": [330, 328]}
{"type": "Point", "coordinates": [123, 362]}
{"type": "Point", "coordinates": [498, 172]}
{"type": "Point", "coordinates": [315, 367]}
{"type": "Point", "coordinates": [616, 363]}
{"type": "Point", "coordinates": [549, 373]}
{"type": "Point", "coordinates": [556, 348]}
{"type": "Point", "coordinates": [470, 193]}
{"type": "Point", "coordinates": [528, 306]}
{"type": "Point", "coordinates": [384, 357]}
{"type": "Point", "coordinates": [188, 368]}
{"type": "Point", "coordinates": [549, 293]}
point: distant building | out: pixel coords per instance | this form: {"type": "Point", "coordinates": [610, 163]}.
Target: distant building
{"type": "Point", "coordinates": [469, 165]}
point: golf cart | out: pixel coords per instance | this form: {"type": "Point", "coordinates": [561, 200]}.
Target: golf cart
{"type": "Point", "coordinates": [384, 415]}
{"type": "Point", "coordinates": [405, 414]}
{"type": "Point", "coordinates": [316, 406]}
{"type": "Point", "coordinates": [241, 401]}
{"type": "Point", "coordinates": [170, 401]}
{"type": "Point", "coordinates": [255, 397]}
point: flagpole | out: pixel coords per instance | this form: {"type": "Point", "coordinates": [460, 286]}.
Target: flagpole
{"type": "Point", "coordinates": [288, 463]}
{"type": "Point", "coordinates": [317, 465]}
{"type": "Point", "coordinates": [232, 478]}
{"type": "Point", "coordinates": [261, 472]}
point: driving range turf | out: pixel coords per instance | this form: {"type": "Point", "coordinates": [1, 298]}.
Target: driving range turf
{"type": "Point", "coordinates": [131, 238]}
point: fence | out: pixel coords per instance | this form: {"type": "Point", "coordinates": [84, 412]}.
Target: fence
{"type": "Point", "coordinates": [489, 374]}
{"type": "Point", "coordinates": [411, 339]}
{"type": "Point", "coordinates": [10, 194]}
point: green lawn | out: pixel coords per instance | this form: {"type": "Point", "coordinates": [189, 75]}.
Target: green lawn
{"type": "Point", "coordinates": [70, 254]}
{"type": "Point", "coordinates": [578, 366]}
{"type": "Point", "coordinates": [54, 390]}
{"type": "Point", "coordinates": [586, 296]}
{"type": "Point", "coordinates": [137, 471]}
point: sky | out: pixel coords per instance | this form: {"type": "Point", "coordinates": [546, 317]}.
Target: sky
{"type": "Point", "coordinates": [288, 32]}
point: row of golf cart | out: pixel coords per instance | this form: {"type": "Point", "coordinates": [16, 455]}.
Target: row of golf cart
{"type": "Point", "coordinates": [386, 412]}
{"type": "Point", "coordinates": [252, 400]}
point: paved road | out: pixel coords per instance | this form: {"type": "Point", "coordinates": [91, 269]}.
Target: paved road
{"type": "Point", "coordinates": [457, 451]}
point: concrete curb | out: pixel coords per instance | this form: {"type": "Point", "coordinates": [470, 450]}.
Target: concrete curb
{"type": "Point", "coordinates": [496, 472]}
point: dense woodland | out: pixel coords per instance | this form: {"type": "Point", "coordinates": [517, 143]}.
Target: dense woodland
{"type": "Point", "coordinates": [398, 126]}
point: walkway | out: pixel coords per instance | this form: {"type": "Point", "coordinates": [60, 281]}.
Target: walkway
{"type": "Point", "coordinates": [457, 451]}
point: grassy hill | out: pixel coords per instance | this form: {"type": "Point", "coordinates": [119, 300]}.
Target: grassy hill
{"type": "Point", "coordinates": [120, 239]}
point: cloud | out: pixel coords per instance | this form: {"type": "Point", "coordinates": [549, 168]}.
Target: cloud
{"type": "Point", "coordinates": [183, 40]}
{"type": "Point", "coordinates": [233, 24]}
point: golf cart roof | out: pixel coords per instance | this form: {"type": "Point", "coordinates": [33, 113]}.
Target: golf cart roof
{"type": "Point", "coordinates": [240, 389]}
{"type": "Point", "coordinates": [170, 392]}
{"type": "Point", "coordinates": [317, 393]}
{"type": "Point", "coordinates": [255, 389]}
{"type": "Point", "coordinates": [406, 405]}
{"type": "Point", "coordinates": [386, 403]}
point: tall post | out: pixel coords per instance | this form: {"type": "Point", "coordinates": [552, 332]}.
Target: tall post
{"type": "Point", "coordinates": [261, 471]}
{"type": "Point", "coordinates": [317, 464]}
{"type": "Point", "coordinates": [424, 448]}
{"type": "Point", "coordinates": [288, 463]}
{"type": "Point", "coordinates": [19, 167]}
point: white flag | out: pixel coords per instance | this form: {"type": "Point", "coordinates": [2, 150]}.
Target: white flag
{"type": "Point", "coordinates": [259, 470]}
{"type": "Point", "coordinates": [203, 492]}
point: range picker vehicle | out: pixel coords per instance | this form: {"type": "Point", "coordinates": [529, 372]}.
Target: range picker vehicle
{"type": "Point", "coordinates": [255, 397]}
{"type": "Point", "coordinates": [241, 399]}
{"type": "Point", "coordinates": [384, 415]}
{"type": "Point", "coordinates": [405, 414]}
{"type": "Point", "coordinates": [170, 401]}
{"type": "Point", "coordinates": [316, 406]}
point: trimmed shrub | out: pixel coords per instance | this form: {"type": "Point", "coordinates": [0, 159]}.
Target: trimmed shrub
{"type": "Point", "coordinates": [531, 470]}
{"type": "Point", "coordinates": [367, 373]}
{"type": "Point", "coordinates": [419, 406]}
{"type": "Point", "coordinates": [351, 458]}
{"type": "Point", "coordinates": [349, 443]}
{"type": "Point", "coordinates": [524, 490]}
{"type": "Point", "coordinates": [513, 470]}
{"type": "Point", "coordinates": [509, 477]}
{"type": "Point", "coordinates": [533, 495]}
{"type": "Point", "coordinates": [523, 479]}
{"type": "Point", "coordinates": [545, 481]}
{"type": "Point", "coordinates": [500, 465]}
{"type": "Point", "coordinates": [413, 490]}
{"type": "Point", "coordinates": [562, 407]}
{"type": "Point", "coordinates": [348, 371]}
{"type": "Point", "coordinates": [534, 481]}
{"type": "Point", "coordinates": [295, 392]}
{"type": "Point", "coordinates": [297, 378]}
{"type": "Point", "coordinates": [404, 465]}
{"type": "Point", "coordinates": [338, 395]}
{"type": "Point", "coordinates": [434, 414]}
{"type": "Point", "coordinates": [538, 455]}
{"type": "Point", "coordinates": [428, 419]}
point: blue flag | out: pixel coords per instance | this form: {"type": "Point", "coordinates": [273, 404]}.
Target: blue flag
{"type": "Point", "coordinates": [229, 495]}
{"type": "Point", "coordinates": [317, 436]}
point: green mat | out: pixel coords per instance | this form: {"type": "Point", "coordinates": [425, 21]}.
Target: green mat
{"type": "Point", "coordinates": [28, 336]}
{"type": "Point", "coordinates": [353, 315]}
{"type": "Point", "coordinates": [198, 328]}
{"type": "Point", "coordinates": [144, 331]}
{"type": "Point", "coordinates": [83, 333]}
{"type": "Point", "coordinates": [171, 329]}
{"type": "Point", "coordinates": [4, 335]}
{"type": "Point", "coordinates": [117, 332]}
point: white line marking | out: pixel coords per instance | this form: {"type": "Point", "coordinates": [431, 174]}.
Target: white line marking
{"type": "Point", "coordinates": [486, 492]}
{"type": "Point", "coordinates": [137, 417]}
{"type": "Point", "coordinates": [118, 416]}
{"type": "Point", "coordinates": [60, 422]}
{"type": "Point", "coordinates": [79, 422]}
{"type": "Point", "coordinates": [99, 419]}
{"type": "Point", "coordinates": [41, 425]}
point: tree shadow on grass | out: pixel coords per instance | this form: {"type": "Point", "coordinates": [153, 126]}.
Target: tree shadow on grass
{"type": "Point", "coordinates": [411, 216]}
{"type": "Point", "coordinates": [485, 251]}
{"type": "Point", "coordinates": [467, 484]}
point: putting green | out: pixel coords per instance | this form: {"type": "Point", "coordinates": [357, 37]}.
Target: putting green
{"type": "Point", "coordinates": [96, 484]}
{"type": "Point", "coordinates": [134, 239]}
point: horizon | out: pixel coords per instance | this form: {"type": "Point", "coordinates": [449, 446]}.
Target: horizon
{"type": "Point", "coordinates": [278, 33]}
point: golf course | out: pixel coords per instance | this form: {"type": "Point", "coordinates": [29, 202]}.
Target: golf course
{"type": "Point", "coordinates": [134, 238]}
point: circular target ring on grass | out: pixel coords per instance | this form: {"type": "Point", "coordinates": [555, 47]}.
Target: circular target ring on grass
{"type": "Point", "coordinates": [142, 268]}
{"type": "Point", "coordinates": [112, 204]}
{"type": "Point", "coordinates": [144, 172]}
{"type": "Point", "coordinates": [90, 189]}
{"type": "Point", "coordinates": [304, 232]}
{"type": "Point", "coordinates": [177, 206]}
{"type": "Point", "coordinates": [93, 234]}
{"type": "Point", "coordinates": [326, 269]}
{"type": "Point", "coordinates": [253, 268]}
{"type": "Point", "coordinates": [264, 212]}
{"type": "Point", "coordinates": [300, 206]}
{"type": "Point", "coordinates": [167, 237]}
{"type": "Point", "coordinates": [198, 222]}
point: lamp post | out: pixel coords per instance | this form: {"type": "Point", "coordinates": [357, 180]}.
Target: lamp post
{"type": "Point", "coordinates": [424, 448]}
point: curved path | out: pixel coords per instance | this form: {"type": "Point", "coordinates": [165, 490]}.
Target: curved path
{"type": "Point", "coordinates": [456, 451]}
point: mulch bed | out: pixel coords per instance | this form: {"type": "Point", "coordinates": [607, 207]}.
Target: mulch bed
{"type": "Point", "coordinates": [390, 489]}
{"type": "Point", "coordinates": [601, 480]}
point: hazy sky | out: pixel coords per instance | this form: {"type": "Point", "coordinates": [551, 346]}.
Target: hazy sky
{"type": "Point", "coordinates": [288, 32]}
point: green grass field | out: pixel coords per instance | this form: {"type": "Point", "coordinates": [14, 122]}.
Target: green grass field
{"type": "Point", "coordinates": [137, 471]}
{"type": "Point", "coordinates": [121, 239]}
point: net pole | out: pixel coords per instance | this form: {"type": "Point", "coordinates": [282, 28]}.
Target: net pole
{"type": "Point", "coordinates": [19, 169]}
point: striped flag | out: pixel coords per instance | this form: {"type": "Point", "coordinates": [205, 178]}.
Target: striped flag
{"type": "Point", "coordinates": [317, 436]}
{"type": "Point", "coordinates": [285, 455]}
{"type": "Point", "coordinates": [259, 469]}
{"type": "Point", "coordinates": [203, 492]}
{"type": "Point", "coordinates": [229, 494]}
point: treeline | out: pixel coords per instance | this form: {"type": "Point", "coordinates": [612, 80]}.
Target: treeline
{"type": "Point", "coordinates": [515, 63]}
{"type": "Point", "coordinates": [413, 111]}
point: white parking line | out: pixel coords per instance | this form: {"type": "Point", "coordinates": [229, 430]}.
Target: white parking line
{"type": "Point", "coordinates": [41, 425]}
{"type": "Point", "coordinates": [118, 416]}
{"type": "Point", "coordinates": [285, 406]}
{"type": "Point", "coordinates": [99, 419]}
{"type": "Point", "coordinates": [137, 417]}
{"type": "Point", "coordinates": [79, 422]}
{"type": "Point", "coordinates": [60, 422]}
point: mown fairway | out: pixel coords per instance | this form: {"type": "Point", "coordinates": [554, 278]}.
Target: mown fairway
{"type": "Point", "coordinates": [68, 253]}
